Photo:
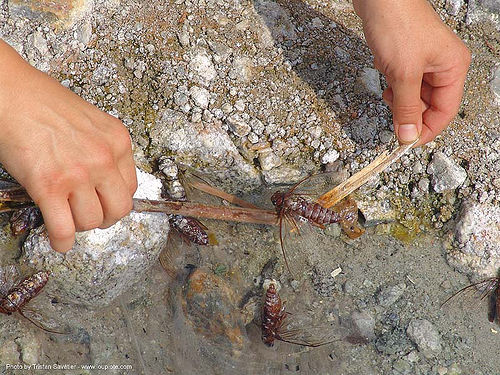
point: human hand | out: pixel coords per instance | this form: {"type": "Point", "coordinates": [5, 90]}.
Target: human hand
{"type": "Point", "coordinates": [74, 160]}
{"type": "Point", "coordinates": [424, 62]}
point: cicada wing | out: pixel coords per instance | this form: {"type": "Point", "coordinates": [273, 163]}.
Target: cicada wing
{"type": "Point", "coordinates": [45, 322]}
{"type": "Point", "coordinates": [312, 336]}
{"type": "Point", "coordinates": [9, 275]}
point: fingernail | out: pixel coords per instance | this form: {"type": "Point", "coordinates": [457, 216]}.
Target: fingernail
{"type": "Point", "coordinates": [407, 133]}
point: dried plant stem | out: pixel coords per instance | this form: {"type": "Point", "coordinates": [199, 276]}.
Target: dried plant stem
{"type": "Point", "coordinates": [198, 210]}
{"type": "Point", "coordinates": [341, 191]}
{"type": "Point", "coordinates": [222, 194]}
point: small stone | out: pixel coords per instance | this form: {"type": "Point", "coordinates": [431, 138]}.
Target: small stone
{"type": "Point", "coordinates": [200, 96]}
{"type": "Point", "coordinates": [183, 37]}
{"type": "Point", "coordinates": [386, 136]}
{"type": "Point", "coordinates": [84, 32]}
{"type": "Point", "coordinates": [227, 108]}
{"type": "Point", "coordinates": [442, 370]}
{"type": "Point", "coordinates": [425, 336]}
{"type": "Point", "coordinates": [241, 69]}
{"type": "Point", "coordinates": [453, 6]}
{"type": "Point", "coordinates": [333, 230]}
{"type": "Point", "coordinates": [495, 84]}
{"type": "Point", "coordinates": [168, 167]}
{"type": "Point", "coordinates": [330, 156]}
{"type": "Point", "coordinates": [210, 305]}
{"type": "Point", "coordinates": [180, 99]}
{"type": "Point", "coordinates": [316, 23]}
{"type": "Point", "coordinates": [40, 43]}
{"type": "Point", "coordinates": [423, 185]}
{"type": "Point", "coordinates": [400, 366]}
{"type": "Point", "coordinates": [239, 105]}
{"type": "Point", "coordinates": [257, 126]}
{"type": "Point", "coordinates": [417, 167]}
{"type": "Point", "coordinates": [268, 160]}
{"type": "Point", "coordinates": [201, 64]}
{"type": "Point", "coordinates": [364, 324]}
{"type": "Point", "coordinates": [9, 352]}
{"type": "Point", "coordinates": [363, 130]}
{"type": "Point", "coordinates": [446, 174]}
{"type": "Point", "coordinates": [389, 295]}
{"type": "Point", "coordinates": [412, 356]}
{"type": "Point", "coordinates": [369, 81]}
{"type": "Point", "coordinates": [237, 125]}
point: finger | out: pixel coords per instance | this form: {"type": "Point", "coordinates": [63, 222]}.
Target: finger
{"type": "Point", "coordinates": [86, 209]}
{"type": "Point", "coordinates": [444, 105]}
{"type": "Point", "coordinates": [115, 199]}
{"type": "Point", "coordinates": [407, 108]}
{"type": "Point", "coordinates": [59, 223]}
{"type": "Point", "coordinates": [388, 96]}
{"type": "Point", "coordinates": [126, 166]}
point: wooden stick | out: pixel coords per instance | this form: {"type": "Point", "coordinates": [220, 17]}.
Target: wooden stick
{"type": "Point", "coordinates": [341, 191]}
{"type": "Point", "coordinates": [239, 214]}
{"type": "Point", "coordinates": [221, 194]}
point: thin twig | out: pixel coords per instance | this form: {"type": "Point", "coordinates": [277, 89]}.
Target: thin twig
{"type": "Point", "coordinates": [222, 194]}
{"type": "Point", "coordinates": [341, 191]}
{"type": "Point", "coordinates": [186, 208]}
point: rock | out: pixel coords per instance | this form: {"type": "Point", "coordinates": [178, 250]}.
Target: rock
{"type": "Point", "coordinates": [40, 43]}
{"type": "Point", "coordinates": [203, 68]}
{"type": "Point", "coordinates": [278, 22]}
{"type": "Point", "coordinates": [364, 324]}
{"type": "Point", "coordinates": [376, 209]}
{"type": "Point", "coordinates": [389, 295]}
{"type": "Point", "coordinates": [241, 69]}
{"type": "Point", "coordinates": [453, 6]}
{"type": "Point", "coordinates": [210, 306]}
{"type": "Point", "coordinates": [200, 96]}
{"type": "Point", "coordinates": [207, 144]}
{"type": "Point", "coordinates": [268, 159]}
{"type": "Point", "coordinates": [363, 130]}
{"type": "Point", "coordinates": [282, 175]}
{"type": "Point", "coordinates": [425, 336]}
{"type": "Point", "coordinates": [238, 125]}
{"type": "Point", "coordinates": [9, 352]}
{"type": "Point", "coordinates": [400, 366]}
{"type": "Point", "coordinates": [84, 32]}
{"type": "Point", "coordinates": [330, 156]}
{"type": "Point", "coordinates": [446, 174]}
{"type": "Point", "coordinates": [495, 84]}
{"type": "Point", "coordinates": [61, 12]}
{"type": "Point", "coordinates": [476, 247]}
{"type": "Point", "coordinates": [369, 82]}
{"type": "Point", "coordinates": [386, 136]}
{"type": "Point", "coordinates": [103, 263]}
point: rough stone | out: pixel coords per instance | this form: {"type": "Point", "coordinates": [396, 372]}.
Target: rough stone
{"type": "Point", "coordinates": [330, 156]}
{"type": "Point", "coordinates": [201, 64]}
{"type": "Point", "coordinates": [103, 263]}
{"type": "Point", "coordinates": [40, 43]}
{"type": "Point", "coordinates": [369, 81]}
{"type": "Point", "coordinates": [364, 324]}
{"type": "Point", "coordinates": [425, 336]}
{"type": "Point", "coordinates": [238, 125]}
{"type": "Point", "coordinates": [446, 174]}
{"type": "Point", "coordinates": [477, 240]}
{"type": "Point", "coordinates": [200, 96]}
{"type": "Point", "coordinates": [268, 160]}
{"type": "Point", "coordinates": [453, 6]}
{"type": "Point", "coordinates": [495, 84]}
{"type": "Point", "coordinates": [389, 295]}
{"type": "Point", "coordinates": [206, 143]}
{"type": "Point", "coordinates": [61, 12]}
{"type": "Point", "coordinates": [282, 175]}
{"type": "Point", "coordinates": [363, 130]}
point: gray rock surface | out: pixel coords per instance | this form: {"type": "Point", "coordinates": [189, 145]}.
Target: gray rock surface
{"type": "Point", "coordinates": [495, 83]}
{"type": "Point", "coordinates": [446, 174]}
{"type": "Point", "coordinates": [364, 323]}
{"type": "Point", "coordinates": [103, 263]}
{"type": "Point", "coordinates": [389, 295]}
{"type": "Point", "coordinates": [425, 336]}
{"type": "Point", "coordinates": [476, 250]}
{"type": "Point", "coordinates": [369, 81]}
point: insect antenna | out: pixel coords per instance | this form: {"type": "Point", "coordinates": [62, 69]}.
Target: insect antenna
{"type": "Point", "coordinates": [282, 246]}
{"type": "Point", "coordinates": [489, 284]}
{"type": "Point", "coordinates": [40, 326]}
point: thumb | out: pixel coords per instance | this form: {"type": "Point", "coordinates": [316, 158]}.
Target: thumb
{"type": "Point", "coordinates": [407, 109]}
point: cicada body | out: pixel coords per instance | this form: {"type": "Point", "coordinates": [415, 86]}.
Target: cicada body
{"type": "Point", "coordinates": [22, 293]}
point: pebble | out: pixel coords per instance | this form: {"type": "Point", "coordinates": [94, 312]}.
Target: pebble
{"type": "Point", "coordinates": [425, 336]}
{"type": "Point", "coordinates": [200, 96]}
{"type": "Point", "coordinates": [446, 174]}
{"type": "Point", "coordinates": [400, 366]}
{"type": "Point", "coordinates": [453, 6]}
{"type": "Point", "coordinates": [386, 136]}
{"type": "Point", "coordinates": [238, 125]}
{"type": "Point", "coordinates": [363, 130]}
{"type": "Point", "coordinates": [369, 81]}
{"type": "Point", "coordinates": [40, 43]}
{"type": "Point", "coordinates": [201, 64]}
{"type": "Point", "coordinates": [495, 84]}
{"type": "Point", "coordinates": [389, 295]}
{"type": "Point", "coordinates": [268, 160]}
{"type": "Point", "coordinates": [364, 324]}
{"type": "Point", "coordinates": [477, 239]}
{"type": "Point", "coordinates": [84, 32]}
